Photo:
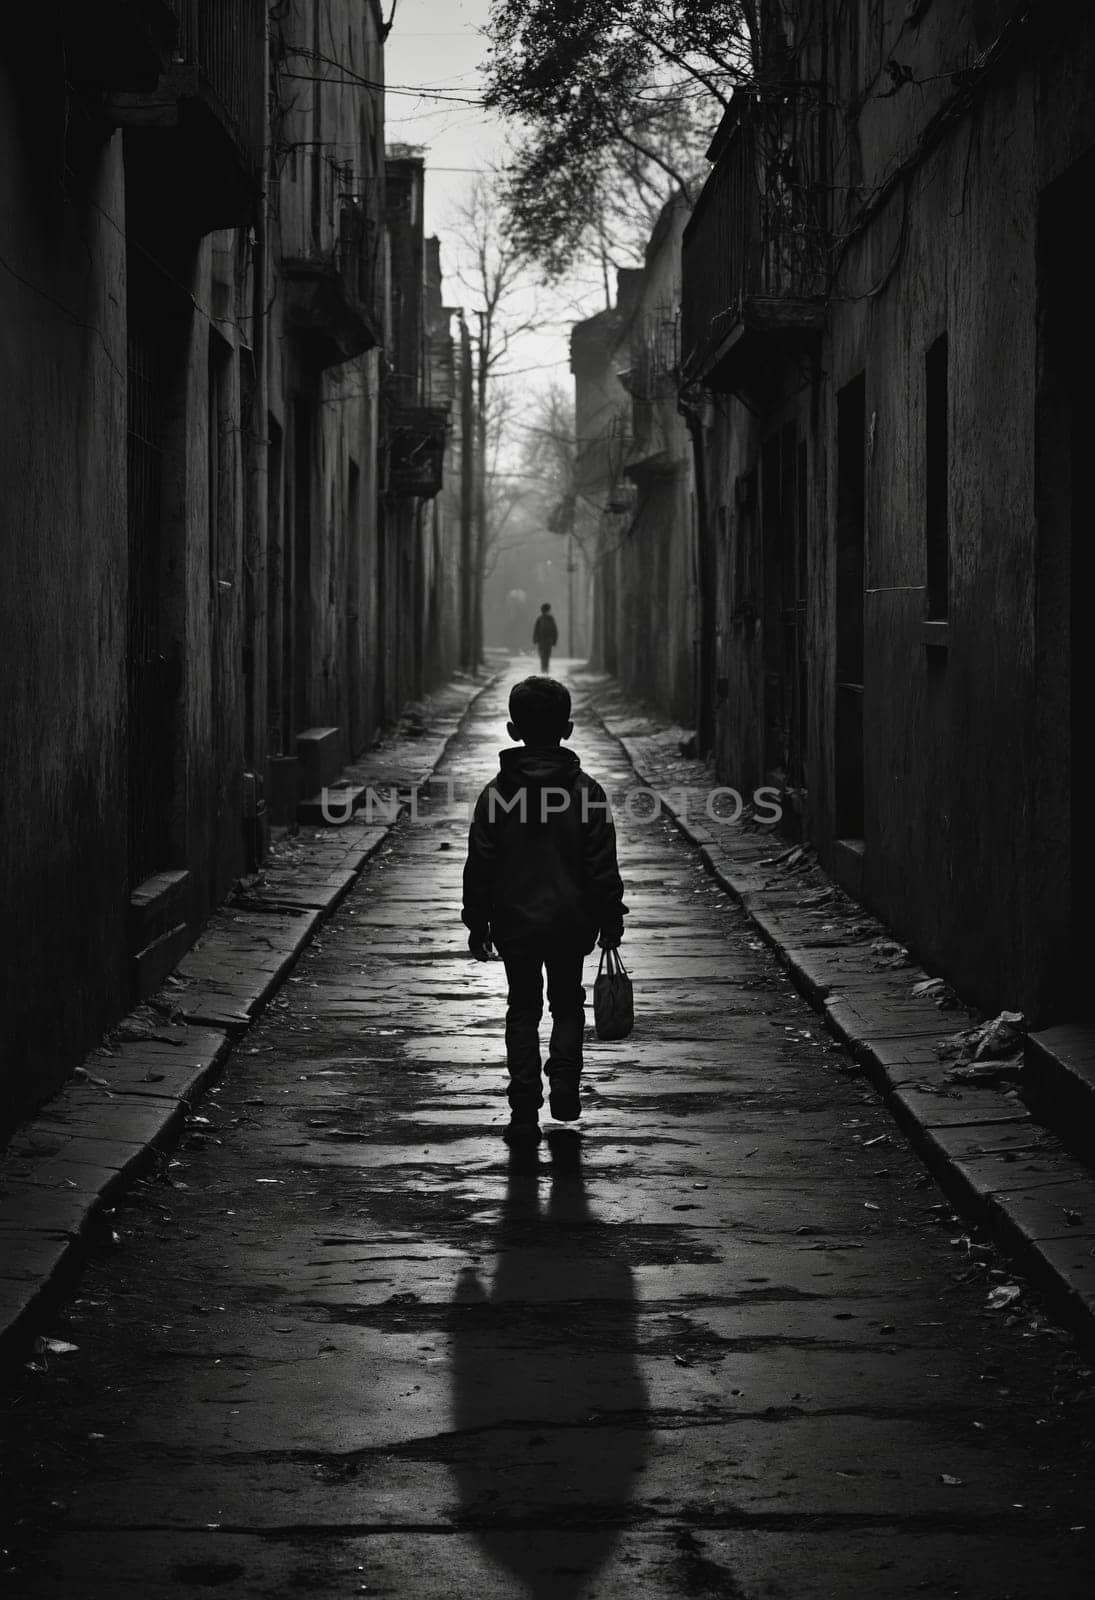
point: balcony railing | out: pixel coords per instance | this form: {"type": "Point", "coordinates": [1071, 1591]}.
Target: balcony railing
{"type": "Point", "coordinates": [416, 450]}
{"type": "Point", "coordinates": [195, 156]}
{"type": "Point", "coordinates": [226, 40]}
{"type": "Point", "coordinates": [652, 381]}
{"type": "Point", "coordinates": [331, 296]}
{"type": "Point", "coordinates": [755, 255]}
{"type": "Point", "coordinates": [355, 255]}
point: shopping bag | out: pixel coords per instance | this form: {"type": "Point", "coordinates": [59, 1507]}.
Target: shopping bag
{"type": "Point", "coordinates": [613, 998]}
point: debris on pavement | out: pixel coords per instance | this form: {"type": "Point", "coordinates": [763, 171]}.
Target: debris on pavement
{"type": "Point", "coordinates": [1004, 1036]}
{"type": "Point", "coordinates": [997, 1043]}
{"type": "Point", "coordinates": [888, 953]}
{"type": "Point", "coordinates": [937, 989]}
{"type": "Point", "coordinates": [1004, 1295]}
{"type": "Point", "coordinates": [44, 1346]}
{"type": "Point", "coordinates": [88, 1077]}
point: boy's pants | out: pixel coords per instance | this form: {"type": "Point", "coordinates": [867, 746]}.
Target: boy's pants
{"type": "Point", "coordinates": [524, 1008]}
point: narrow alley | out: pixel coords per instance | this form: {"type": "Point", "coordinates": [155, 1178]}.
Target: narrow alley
{"type": "Point", "coordinates": [721, 1339]}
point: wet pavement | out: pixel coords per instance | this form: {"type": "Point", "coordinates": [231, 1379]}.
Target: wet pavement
{"type": "Point", "coordinates": [726, 1340]}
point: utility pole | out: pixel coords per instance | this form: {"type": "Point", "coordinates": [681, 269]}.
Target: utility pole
{"type": "Point", "coordinates": [468, 478]}
{"type": "Point", "coordinates": [482, 376]}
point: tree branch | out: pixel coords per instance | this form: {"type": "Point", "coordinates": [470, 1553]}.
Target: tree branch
{"type": "Point", "coordinates": [651, 155]}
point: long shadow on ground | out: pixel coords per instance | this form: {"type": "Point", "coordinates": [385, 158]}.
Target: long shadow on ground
{"type": "Point", "coordinates": [548, 1396]}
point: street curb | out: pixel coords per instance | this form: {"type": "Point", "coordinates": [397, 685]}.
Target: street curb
{"type": "Point", "coordinates": [129, 1101]}
{"type": "Point", "coordinates": [1000, 1169]}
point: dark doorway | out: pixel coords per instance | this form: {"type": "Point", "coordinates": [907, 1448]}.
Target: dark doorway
{"type": "Point", "coordinates": [275, 583]}
{"type": "Point", "coordinates": [851, 519]}
{"type": "Point", "coordinates": [384, 617]}
{"type": "Point", "coordinates": [226, 642]}
{"type": "Point", "coordinates": [783, 464]}
{"type": "Point", "coordinates": [354, 656]}
{"type": "Point", "coordinates": [1066, 516]}
{"type": "Point", "coordinates": [301, 604]}
{"type": "Point", "coordinates": [772, 544]}
{"type": "Point", "coordinates": [154, 664]}
{"type": "Point", "coordinates": [937, 480]}
{"type": "Point", "coordinates": [1081, 634]}
{"type": "Point", "coordinates": [802, 685]}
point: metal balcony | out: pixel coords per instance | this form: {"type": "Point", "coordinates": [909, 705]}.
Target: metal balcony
{"type": "Point", "coordinates": [652, 381]}
{"type": "Point", "coordinates": [331, 297]}
{"type": "Point", "coordinates": [416, 438]}
{"type": "Point", "coordinates": [195, 147]}
{"type": "Point", "coordinates": [755, 252]}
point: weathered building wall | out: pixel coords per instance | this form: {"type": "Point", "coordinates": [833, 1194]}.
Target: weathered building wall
{"type": "Point", "coordinates": [405, 522]}
{"type": "Point", "coordinates": [893, 495]}
{"type": "Point", "coordinates": [191, 553]}
{"type": "Point", "coordinates": [955, 796]}
{"type": "Point", "coordinates": [124, 511]}
{"type": "Point", "coordinates": [635, 504]}
{"type": "Point", "coordinates": [329, 264]}
{"type": "Point", "coordinates": [602, 425]}
{"type": "Point", "coordinates": [730, 501]}
{"type": "Point", "coordinates": [658, 572]}
{"type": "Point", "coordinates": [201, 517]}
{"type": "Point", "coordinates": [62, 593]}
{"type": "Point", "coordinates": [445, 517]}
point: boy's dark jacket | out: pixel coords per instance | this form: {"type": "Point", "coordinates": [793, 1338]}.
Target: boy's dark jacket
{"type": "Point", "coordinates": [551, 878]}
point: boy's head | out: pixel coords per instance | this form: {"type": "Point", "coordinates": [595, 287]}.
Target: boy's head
{"type": "Point", "coordinates": [545, 607]}
{"type": "Point", "coordinates": [539, 711]}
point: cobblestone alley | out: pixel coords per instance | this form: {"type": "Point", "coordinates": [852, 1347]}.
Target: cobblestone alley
{"type": "Point", "coordinates": [724, 1340]}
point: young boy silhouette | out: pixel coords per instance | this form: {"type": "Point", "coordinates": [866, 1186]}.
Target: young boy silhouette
{"type": "Point", "coordinates": [541, 883]}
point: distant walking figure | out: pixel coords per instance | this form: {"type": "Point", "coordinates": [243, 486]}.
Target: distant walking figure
{"type": "Point", "coordinates": [544, 635]}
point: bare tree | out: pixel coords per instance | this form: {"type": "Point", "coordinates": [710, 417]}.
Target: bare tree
{"type": "Point", "coordinates": [493, 271]}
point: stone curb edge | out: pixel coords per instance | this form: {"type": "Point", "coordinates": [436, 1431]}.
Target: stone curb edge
{"type": "Point", "coordinates": [110, 1166]}
{"type": "Point", "coordinates": [1062, 1266]}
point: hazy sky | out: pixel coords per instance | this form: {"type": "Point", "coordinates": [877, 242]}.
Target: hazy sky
{"type": "Point", "coordinates": [437, 47]}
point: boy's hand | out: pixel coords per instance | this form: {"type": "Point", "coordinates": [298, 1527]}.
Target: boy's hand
{"type": "Point", "coordinates": [610, 938]}
{"type": "Point", "coordinates": [480, 946]}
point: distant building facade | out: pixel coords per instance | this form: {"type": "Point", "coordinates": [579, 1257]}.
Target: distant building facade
{"type": "Point", "coordinates": [603, 499]}
{"type": "Point", "coordinates": [635, 479]}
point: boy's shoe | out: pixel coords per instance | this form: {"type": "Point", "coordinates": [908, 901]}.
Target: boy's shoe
{"type": "Point", "coordinates": [523, 1129]}
{"type": "Point", "coordinates": [564, 1103]}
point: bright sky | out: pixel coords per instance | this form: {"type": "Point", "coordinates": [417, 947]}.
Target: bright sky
{"type": "Point", "coordinates": [440, 45]}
